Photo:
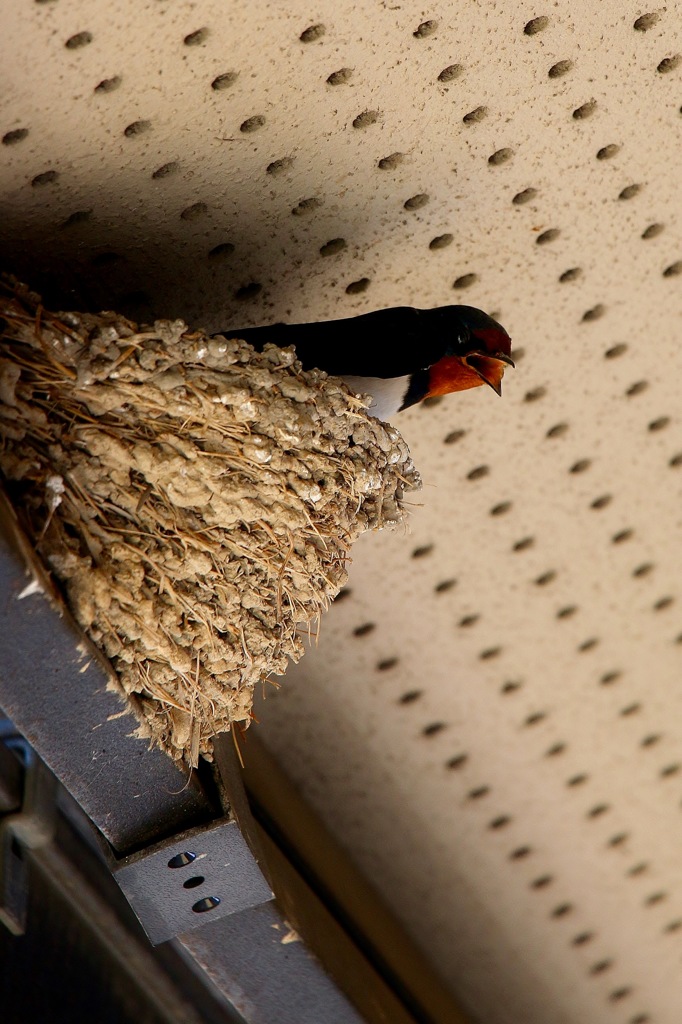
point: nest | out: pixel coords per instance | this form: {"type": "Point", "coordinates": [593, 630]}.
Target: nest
{"type": "Point", "coordinates": [196, 499]}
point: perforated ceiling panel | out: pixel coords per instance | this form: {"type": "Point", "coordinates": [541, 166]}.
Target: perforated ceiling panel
{"type": "Point", "coordinates": [492, 718]}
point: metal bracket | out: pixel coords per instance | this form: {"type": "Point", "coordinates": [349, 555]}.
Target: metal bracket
{"type": "Point", "coordinates": [197, 877]}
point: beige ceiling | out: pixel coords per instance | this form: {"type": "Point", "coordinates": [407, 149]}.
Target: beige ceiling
{"type": "Point", "coordinates": [492, 720]}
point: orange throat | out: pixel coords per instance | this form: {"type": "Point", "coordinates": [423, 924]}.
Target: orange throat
{"type": "Point", "coordinates": [451, 374]}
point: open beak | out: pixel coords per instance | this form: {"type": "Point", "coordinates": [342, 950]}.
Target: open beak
{"type": "Point", "coordinates": [490, 367]}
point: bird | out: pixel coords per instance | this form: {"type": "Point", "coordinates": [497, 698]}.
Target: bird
{"type": "Point", "coordinates": [400, 355]}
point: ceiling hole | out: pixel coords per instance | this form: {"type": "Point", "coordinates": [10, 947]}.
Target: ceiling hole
{"type": "Point", "coordinates": [46, 178]}
{"type": "Point", "coordinates": [606, 152]}
{"type": "Point", "coordinates": [16, 135]}
{"type": "Point", "coordinates": [252, 124]}
{"type": "Point", "coordinates": [555, 750]}
{"type": "Point", "coordinates": [389, 163]}
{"type": "Point", "coordinates": [466, 280]}
{"type": "Point", "coordinates": [424, 549]}
{"type": "Point", "coordinates": [165, 170]}
{"type": "Point", "coordinates": [524, 197]}
{"type": "Point", "coordinates": [660, 424]}
{"type": "Point", "coordinates": [663, 603]}
{"type": "Point", "coordinates": [501, 509]}
{"type": "Point", "coordinates": [673, 926]}
{"type": "Point", "coordinates": [520, 852]}
{"type": "Point", "coordinates": [676, 461]}
{"type": "Point", "coordinates": [313, 32]}
{"type": "Point", "coordinates": [601, 966]}
{"type": "Point", "coordinates": [386, 664]}
{"type": "Point", "coordinates": [450, 73]}
{"type": "Point", "coordinates": [567, 612]}
{"type": "Point", "coordinates": [454, 436]}
{"type": "Point", "coordinates": [637, 869]}
{"type": "Point", "coordinates": [618, 839]}
{"type": "Point", "coordinates": [640, 1018]}
{"type": "Point", "coordinates": [248, 291]}
{"type": "Point", "coordinates": [615, 351]}
{"type": "Point", "coordinates": [585, 110]}
{"type": "Point", "coordinates": [194, 212]}
{"type": "Point", "coordinates": [196, 38]}
{"type": "Point", "coordinates": [629, 191]}
{"type": "Point", "coordinates": [536, 718]}
{"type": "Point", "coordinates": [669, 770]}
{"type": "Point", "coordinates": [478, 473]}
{"type": "Point", "coordinates": [558, 430]}
{"type": "Point", "coordinates": [306, 206]}
{"type": "Point", "coordinates": [645, 22]}
{"type": "Point", "coordinates": [534, 394]}
{"type": "Point", "coordinates": [673, 270]}
{"type": "Point", "coordinates": [469, 620]}
{"type": "Point", "coordinates": [595, 313]}
{"type": "Point", "coordinates": [427, 28]}
{"type": "Point", "coordinates": [541, 882]}
{"type": "Point", "coordinates": [547, 236]}
{"type": "Point", "coordinates": [631, 709]}
{"type": "Point", "coordinates": [192, 883]}
{"type": "Point", "coordinates": [651, 740]}
{"type": "Point", "coordinates": [279, 166]}
{"type": "Point", "coordinates": [366, 118]}
{"type": "Point", "coordinates": [602, 501]}
{"type": "Point", "coordinates": [356, 287]}
{"type": "Point", "coordinates": [365, 629]}
{"type": "Point", "coordinates": [580, 466]}
{"type": "Point", "coordinates": [444, 586]}
{"type": "Point", "coordinates": [221, 251]}
{"type": "Point", "coordinates": [545, 578]}
{"type": "Point", "coordinates": [478, 793]}
{"type": "Point", "coordinates": [582, 938]}
{"type": "Point", "coordinates": [416, 202]}
{"type": "Point", "coordinates": [669, 64]}
{"type": "Point", "coordinates": [410, 697]}
{"type": "Point", "coordinates": [500, 156]}
{"type": "Point", "coordinates": [137, 128]}
{"type": "Point", "coordinates": [489, 653]}
{"type": "Point", "coordinates": [654, 898]}
{"type": "Point", "coordinates": [652, 231]}
{"type": "Point", "coordinates": [456, 762]}
{"type": "Point", "coordinates": [598, 810]}
{"type": "Point", "coordinates": [535, 25]}
{"type": "Point", "coordinates": [562, 67]}
{"type": "Point", "coordinates": [610, 677]}
{"type": "Point", "coordinates": [77, 217]}
{"type": "Point", "coordinates": [588, 645]}
{"type": "Point", "coordinates": [501, 821]}
{"type": "Point", "coordinates": [80, 39]}
{"type": "Point", "coordinates": [511, 686]}
{"type": "Point", "coordinates": [333, 246]}
{"type": "Point", "coordinates": [433, 729]}
{"type": "Point", "coordinates": [475, 115]}
{"type": "Point", "coordinates": [643, 570]}
{"type": "Point", "coordinates": [577, 780]}
{"type": "Point", "coordinates": [562, 910]}
{"type": "Point", "coordinates": [524, 544]}
{"type": "Point", "coordinates": [340, 77]}
{"type": "Point", "coordinates": [441, 241]}
{"type": "Point", "coordinates": [570, 275]}
{"type": "Point", "coordinates": [225, 80]}
{"type": "Point", "coordinates": [622, 536]}
{"type": "Point", "coordinates": [343, 594]}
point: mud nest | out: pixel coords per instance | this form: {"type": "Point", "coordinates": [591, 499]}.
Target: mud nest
{"type": "Point", "coordinates": [196, 499]}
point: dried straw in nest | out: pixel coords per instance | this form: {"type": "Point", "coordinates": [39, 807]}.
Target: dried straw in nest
{"type": "Point", "coordinates": [196, 499]}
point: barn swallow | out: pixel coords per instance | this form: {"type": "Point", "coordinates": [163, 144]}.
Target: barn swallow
{"type": "Point", "coordinates": [398, 356]}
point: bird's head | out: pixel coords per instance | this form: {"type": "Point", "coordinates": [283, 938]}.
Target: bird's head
{"type": "Point", "coordinates": [477, 351]}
